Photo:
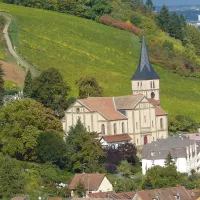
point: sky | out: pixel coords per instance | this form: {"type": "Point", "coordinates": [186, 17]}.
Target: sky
{"type": "Point", "coordinates": [176, 2]}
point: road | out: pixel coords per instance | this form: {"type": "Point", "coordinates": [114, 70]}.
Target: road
{"type": "Point", "coordinates": [19, 59]}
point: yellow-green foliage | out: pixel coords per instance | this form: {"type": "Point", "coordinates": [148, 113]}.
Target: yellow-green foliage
{"type": "Point", "coordinates": [80, 47]}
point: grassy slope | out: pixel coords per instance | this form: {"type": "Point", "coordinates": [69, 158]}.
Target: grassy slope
{"type": "Point", "coordinates": [80, 47]}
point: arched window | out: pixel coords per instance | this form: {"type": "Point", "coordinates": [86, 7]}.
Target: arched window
{"type": "Point", "coordinates": [114, 128]}
{"type": "Point", "coordinates": [145, 140]}
{"type": "Point", "coordinates": [145, 120]}
{"type": "Point", "coordinates": [152, 95]}
{"type": "Point", "coordinates": [102, 129]}
{"type": "Point", "coordinates": [78, 110]}
{"type": "Point", "coordinates": [161, 123]}
{"type": "Point", "coordinates": [136, 125]}
{"type": "Point", "coordinates": [152, 124]}
{"type": "Point", "coordinates": [137, 141]}
{"type": "Point", "coordinates": [123, 129]}
{"type": "Point", "coordinates": [153, 84]}
{"type": "Point", "coordinates": [138, 84]}
{"type": "Point", "coordinates": [141, 84]}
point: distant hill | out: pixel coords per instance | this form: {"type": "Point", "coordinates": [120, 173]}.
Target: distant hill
{"type": "Point", "coordinates": [80, 47]}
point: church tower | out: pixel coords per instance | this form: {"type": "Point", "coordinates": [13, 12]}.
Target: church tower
{"type": "Point", "coordinates": [145, 80]}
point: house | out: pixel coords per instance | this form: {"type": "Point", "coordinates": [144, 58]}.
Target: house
{"type": "Point", "coordinates": [139, 115]}
{"type": "Point", "coordinates": [112, 195]}
{"type": "Point", "coordinates": [21, 198]}
{"type": "Point", "coordinates": [176, 193]}
{"type": "Point", "coordinates": [92, 183]}
{"type": "Point", "coordinates": [183, 150]}
{"type": "Point", "coordinates": [195, 194]}
{"type": "Point", "coordinates": [115, 140]}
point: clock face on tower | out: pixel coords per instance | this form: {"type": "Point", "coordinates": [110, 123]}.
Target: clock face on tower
{"type": "Point", "coordinates": [152, 95]}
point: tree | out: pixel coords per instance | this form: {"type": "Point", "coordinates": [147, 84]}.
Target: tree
{"type": "Point", "coordinates": [80, 190]}
{"type": "Point", "coordinates": [27, 84]}
{"type": "Point", "coordinates": [11, 177]}
{"type": "Point", "coordinates": [1, 85]}
{"type": "Point", "coordinates": [51, 148]}
{"type": "Point", "coordinates": [150, 5]}
{"type": "Point", "coordinates": [84, 149]}
{"type": "Point", "coordinates": [136, 20]}
{"type": "Point", "coordinates": [89, 87]}
{"type": "Point", "coordinates": [169, 160]}
{"type": "Point", "coordinates": [125, 168]}
{"type": "Point", "coordinates": [160, 177]}
{"type": "Point", "coordinates": [21, 122]}
{"type": "Point", "coordinates": [163, 19]}
{"type": "Point", "coordinates": [50, 89]}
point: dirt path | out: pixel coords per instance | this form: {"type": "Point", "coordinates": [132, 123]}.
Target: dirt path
{"type": "Point", "coordinates": [20, 61]}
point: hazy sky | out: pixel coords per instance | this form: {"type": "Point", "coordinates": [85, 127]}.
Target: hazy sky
{"type": "Point", "coordinates": [176, 2]}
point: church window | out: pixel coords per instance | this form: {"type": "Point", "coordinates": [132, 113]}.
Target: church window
{"type": "Point", "coordinates": [114, 128]}
{"type": "Point", "coordinates": [152, 124]}
{"type": "Point", "coordinates": [102, 129]}
{"type": "Point", "coordinates": [161, 123]}
{"type": "Point", "coordinates": [152, 95]}
{"type": "Point", "coordinates": [137, 141]}
{"type": "Point", "coordinates": [138, 84]}
{"type": "Point", "coordinates": [136, 125]}
{"type": "Point", "coordinates": [153, 84]}
{"type": "Point", "coordinates": [123, 131]}
{"type": "Point", "coordinates": [88, 128]}
{"type": "Point", "coordinates": [78, 110]}
{"type": "Point", "coordinates": [141, 84]}
{"type": "Point", "coordinates": [145, 120]}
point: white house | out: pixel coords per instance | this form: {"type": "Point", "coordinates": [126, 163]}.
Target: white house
{"type": "Point", "coordinates": [92, 182]}
{"type": "Point", "coordinates": [183, 150]}
{"type": "Point", "coordinates": [139, 115]}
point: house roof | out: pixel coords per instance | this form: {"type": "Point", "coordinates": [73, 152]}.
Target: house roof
{"type": "Point", "coordinates": [54, 198]}
{"type": "Point", "coordinates": [159, 149]}
{"type": "Point", "coordinates": [160, 111]}
{"type": "Point", "coordinates": [127, 102]}
{"type": "Point", "coordinates": [116, 138]}
{"type": "Point", "coordinates": [90, 181]}
{"type": "Point", "coordinates": [154, 102]}
{"type": "Point", "coordinates": [145, 70]}
{"type": "Point", "coordinates": [20, 198]}
{"type": "Point", "coordinates": [195, 194]}
{"type": "Point", "coordinates": [112, 195]}
{"type": "Point", "coordinates": [103, 105]}
{"type": "Point", "coordinates": [165, 193]}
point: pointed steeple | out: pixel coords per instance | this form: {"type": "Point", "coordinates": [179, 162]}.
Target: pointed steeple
{"type": "Point", "coordinates": [145, 70]}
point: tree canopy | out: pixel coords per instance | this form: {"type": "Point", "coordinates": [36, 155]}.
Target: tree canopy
{"type": "Point", "coordinates": [89, 87]}
{"type": "Point", "coordinates": [1, 85]}
{"type": "Point", "coordinates": [84, 150]}
{"type": "Point", "coordinates": [27, 84]}
{"type": "Point", "coordinates": [20, 124]}
{"type": "Point", "coordinates": [50, 89]}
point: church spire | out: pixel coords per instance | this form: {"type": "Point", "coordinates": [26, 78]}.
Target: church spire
{"type": "Point", "coordinates": [145, 70]}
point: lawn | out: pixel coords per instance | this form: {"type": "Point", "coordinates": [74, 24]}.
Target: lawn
{"type": "Point", "coordinates": [80, 47]}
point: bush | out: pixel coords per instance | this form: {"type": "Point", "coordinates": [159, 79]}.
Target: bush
{"type": "Point", "coordinates": [136, 20]}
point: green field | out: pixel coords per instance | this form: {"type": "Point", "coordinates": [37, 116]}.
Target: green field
{"type": "Point", "coordinates": [80, 47]}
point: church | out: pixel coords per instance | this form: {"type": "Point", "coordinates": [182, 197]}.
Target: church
{"type": "Point", "coordinates": [139, 114]}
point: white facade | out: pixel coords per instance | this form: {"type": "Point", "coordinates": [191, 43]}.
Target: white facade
{"type": "Point", "coordinates": [185, 155]}
{"type": "Point", "coordinates": [149, 88]}
{"type": "Point", "coordinates": [105, 186]}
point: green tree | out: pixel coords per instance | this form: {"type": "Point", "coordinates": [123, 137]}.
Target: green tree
{"type": "Point", "coordinates": [51, 148]}
{"type": "Point", "coordinates": [163, 19]}
{"type": "Point", "coordinates": [84, 149]}
{"type": "Point", "coordinates": [11, 178]}
{"type": "Point", "coordinates": [89, 87]}
{"type": "Point", "coordinates": [27, 84]}
{"type": "Point", "coordinates": [50, 89]}
{"type": "Point", "coordinates": [160, 177]}
{"type": "Point", "coordinates": [80, 190]}
{"type": "Point", "coordinates": [150, 5]}
{"type": "Point", "coordinates": [125, 168]}
{"type": "Point", "coordinates": [169, 160]}
{"type": "Point", "coordinates": [21, 122]}
{"type": "Point", "coordinates": [136, 20]}
{"type": "Point", "coordinates": [1, 85]}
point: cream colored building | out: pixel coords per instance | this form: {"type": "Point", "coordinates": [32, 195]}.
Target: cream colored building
{"type": "Point", "coordinates": [138, 115]}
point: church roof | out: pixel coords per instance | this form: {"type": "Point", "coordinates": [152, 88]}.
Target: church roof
{"type": "Point", "coordinates": [117, 138]}
{"type": "Point", "coordinates": [103, 105]}
{"type": "Point", "coordinates": [145, 70]}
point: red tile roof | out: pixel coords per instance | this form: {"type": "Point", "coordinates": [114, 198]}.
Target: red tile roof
{"type": "Point", "coordinates": [154, 102]}
{"type": "Point", "coordinates": [165, 194]}
{"type": "Point", "coordinates": [101, 194]}
{"type": "Point", "coordinates": [93, 181]}
{"type": "Point", "coordinates": [195, 194]}
{"type": "Point", "coordinates": [54, 198]}
{"type": "Point", "coordinates": [103, 105]}
{"type": "Point", "coordinates": [117, 138]}
{"type": "Point", "coordinates": [160, 112]}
